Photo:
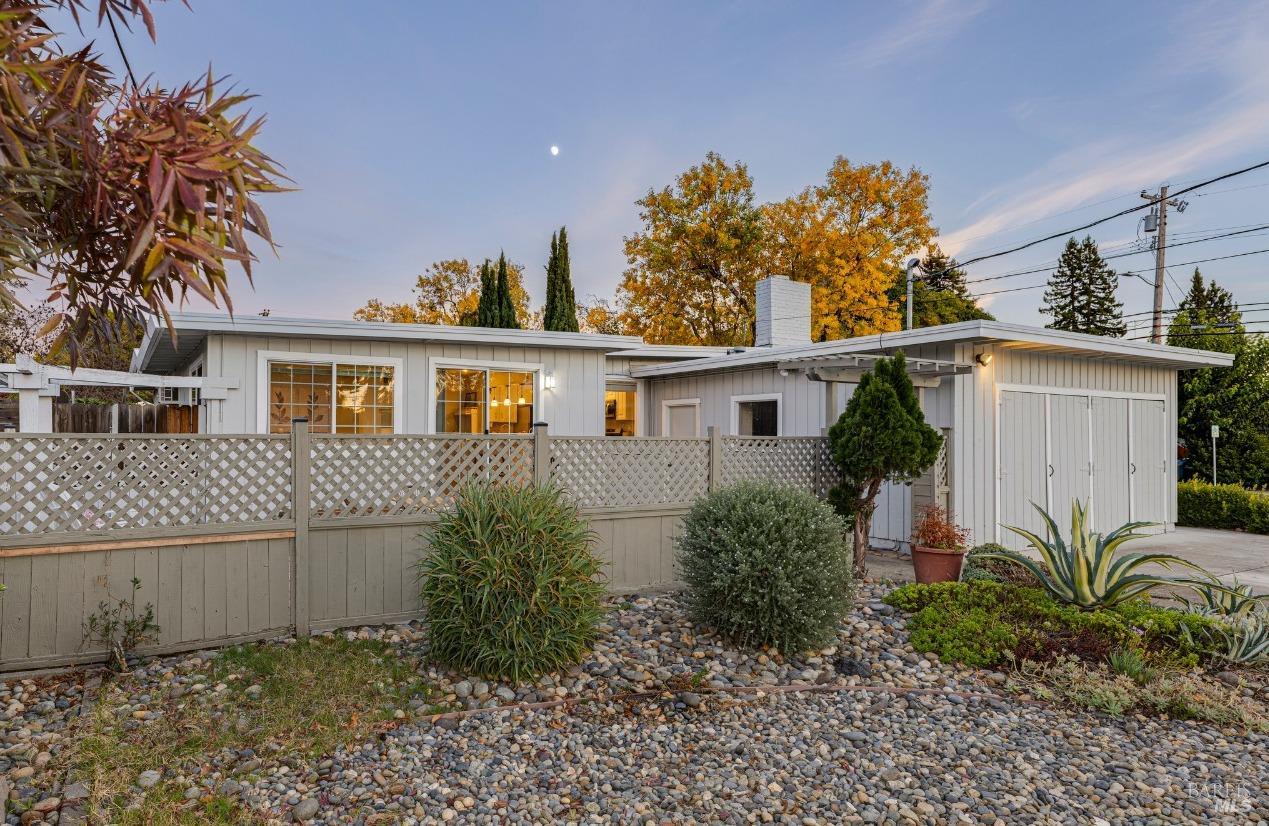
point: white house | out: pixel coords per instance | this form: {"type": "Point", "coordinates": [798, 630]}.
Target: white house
{"type": "Point", "coordinates": [1031, 414]}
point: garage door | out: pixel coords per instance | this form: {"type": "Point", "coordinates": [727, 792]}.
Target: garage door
{"type": "Point", "coordinates": [1059, 447]}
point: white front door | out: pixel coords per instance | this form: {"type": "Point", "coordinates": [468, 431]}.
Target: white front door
{"type": "Point", "coordinates": [1149, 461]}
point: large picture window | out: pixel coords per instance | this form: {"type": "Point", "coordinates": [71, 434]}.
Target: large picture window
{"type": "Point", "coordinates": [476, 400]}
{"type": "Point", "coordinates": [335, 397]}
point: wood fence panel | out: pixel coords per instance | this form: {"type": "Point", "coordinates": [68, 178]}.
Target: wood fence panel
{"type": "Point", "coordinates": [196, 598]}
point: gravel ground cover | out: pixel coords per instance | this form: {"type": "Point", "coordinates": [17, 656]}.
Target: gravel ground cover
{"type": "Point", "coordinates": [940, 743]}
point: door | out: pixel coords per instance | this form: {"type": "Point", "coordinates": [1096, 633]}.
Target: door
{"type": "Point", "coordinates": [1023, 464]}
{"type": "Point", "coordinates": [1069, 446]}
{"type": "Point", "coordinates": [1112, 490]}
{"type": "Point", "coordinates": [1149, 461]}
{"type": "Point", "coordinates": [681, 420]}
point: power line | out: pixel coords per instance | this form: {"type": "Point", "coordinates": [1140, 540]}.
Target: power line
{"type": "Point", "coordinates": [1237, 307]}
{"type": "Point", "coordinates": [1149, 203]}
{"type": "Point", "coordinates": [1251, 229]}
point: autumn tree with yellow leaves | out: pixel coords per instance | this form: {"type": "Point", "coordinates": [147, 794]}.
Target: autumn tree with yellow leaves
{"type": "Point", "coordinates": [447, 292]}
{"type": "Point", "coordinates": [694, 264]}
{"type": "Point", "coordinates": [705, 244]}
{"type": "Point", "coordinates": [845, 237]}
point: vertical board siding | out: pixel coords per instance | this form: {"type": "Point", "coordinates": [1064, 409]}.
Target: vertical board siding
{"type": "Point", "coordinates": [975, 411]}
{"type": "Point", "coordinates": [200, 593]}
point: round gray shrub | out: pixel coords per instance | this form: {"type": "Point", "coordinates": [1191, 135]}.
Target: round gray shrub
{"type": "Point", "coordinates": [510, 586]}
{"type": "Point", "coordinates": [766, 565]}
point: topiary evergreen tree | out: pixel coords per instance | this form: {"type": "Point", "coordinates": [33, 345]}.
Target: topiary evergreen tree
{"type": "Point", "coordinates": [561, 304]}
{"type": "Point", "coordinates": [488, 309]}
{"type": "Point", "coordinates": [506, 307]}
{"type": "Point", "coordinates": [1081, 296]}
{"type": "Point", "coordinates": [881, 437]}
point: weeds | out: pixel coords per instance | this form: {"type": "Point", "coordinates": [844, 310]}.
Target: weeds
{"type": "Point", "coordinates": [120, 627]}
{"type": "Point", "coordinates": [303, 699]}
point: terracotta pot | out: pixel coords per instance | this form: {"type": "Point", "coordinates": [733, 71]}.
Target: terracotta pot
{"type": "Point", "coordinates": [936, 564]}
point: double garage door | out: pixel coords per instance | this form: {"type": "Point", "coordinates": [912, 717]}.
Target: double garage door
{"type": "Point", "coordinates": [1109, 450]}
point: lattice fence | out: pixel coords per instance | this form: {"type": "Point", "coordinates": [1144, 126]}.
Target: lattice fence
{"type": "Point", "coordinates": [58, 484]}
{"type": "Point", "coordinates": [408, 475]}
{"type": "Point", "coordinates": [628, 472]}
{"type": "Point", "coordinates": [801, 461]}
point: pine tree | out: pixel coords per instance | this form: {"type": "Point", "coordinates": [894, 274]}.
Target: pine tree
{"type": "Point", "coordinates": [943, 274]}
{"type": "Point", "coordinates": [506, 317]}
{"type": "Point", "coordinates": [561, 303]}
{"type": "Point", "coordinates": [1081, 296]}
{"type": "Point", "coordinates": [488, 309]}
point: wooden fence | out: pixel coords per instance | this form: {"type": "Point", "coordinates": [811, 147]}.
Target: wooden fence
{"type": "Point", "coordinates": [236, 538]}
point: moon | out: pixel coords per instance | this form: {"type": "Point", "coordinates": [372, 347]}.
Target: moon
{"type": "Point", "coordinates": [555, 150]}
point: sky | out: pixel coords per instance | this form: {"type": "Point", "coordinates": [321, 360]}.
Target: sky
{"type": "Point", "coordinates": [418, 131]}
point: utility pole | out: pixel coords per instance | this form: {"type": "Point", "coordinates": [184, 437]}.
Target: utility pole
{"type": "Point", "coordinates": [1159, 217]}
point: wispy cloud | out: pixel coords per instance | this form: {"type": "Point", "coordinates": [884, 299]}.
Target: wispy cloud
{"type": "Point", "coordinates": [930, 22]}
{"type": "Point", "coordinates": [1235, 122]}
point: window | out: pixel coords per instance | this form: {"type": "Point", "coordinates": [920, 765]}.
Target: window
{"type": "Point", "coordinates": [335, 397]}
{"type": "Point", "coordinates": [477, 400]}
{"type": "Point", "coordinates": [681, 418]}
{"type": "Point", "coordinates": [756, 415]}
{"type": "Point", "coordinates": [619, 410]}
{"type": "Point", "coordinates": [169, 395]}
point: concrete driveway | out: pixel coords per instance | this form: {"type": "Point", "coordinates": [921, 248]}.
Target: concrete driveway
{"type": "Point", "coordinates": [1224, 553]}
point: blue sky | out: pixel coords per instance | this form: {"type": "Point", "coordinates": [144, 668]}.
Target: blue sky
{"type": "Point", "coordinates": [419, 131]}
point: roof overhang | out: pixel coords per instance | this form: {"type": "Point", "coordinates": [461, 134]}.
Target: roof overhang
{"type": "Point", "coordinates": [851, 368]}
{"type": "Point", "coordinates": [1000, 333]}
{"type": "Point", "coordinates": [158, 352]}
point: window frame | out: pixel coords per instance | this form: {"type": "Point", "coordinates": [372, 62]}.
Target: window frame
{"type": "Point", "coordinates": [438, 362]}
{"type": "Point", "coordinates": [736, 401]}
{"type": "Point", "coordinates": [264, 357]}
{"type": "Point", "coordinates": [626, 386]}
{"type": "Point", "coordinates": [666, 404]}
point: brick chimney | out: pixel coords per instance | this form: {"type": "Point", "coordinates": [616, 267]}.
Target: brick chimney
{"type": "Point", "coordinates": [784, 312]}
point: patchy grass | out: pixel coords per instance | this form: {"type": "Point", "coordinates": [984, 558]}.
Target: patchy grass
{"type": "Point", "coordinates": [303, 699]}
{"type": "Point", "coordinates": [1157, 692]}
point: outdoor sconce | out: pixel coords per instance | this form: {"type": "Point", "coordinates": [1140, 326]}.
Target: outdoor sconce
{"type": "Point", "coordinates": [548, 380]}
{"type": "Point", "coordinates": [982, 359]}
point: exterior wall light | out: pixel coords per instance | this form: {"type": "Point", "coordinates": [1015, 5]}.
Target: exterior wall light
{"type": "Point", "coordinates": [982, 359]}
{"type": "Point", "coordinates": [548, 380]}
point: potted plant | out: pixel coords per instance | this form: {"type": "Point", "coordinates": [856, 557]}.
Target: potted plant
{"type": "Point", "coordinates": [938, 546]}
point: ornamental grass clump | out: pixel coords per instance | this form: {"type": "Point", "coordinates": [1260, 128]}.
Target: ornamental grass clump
{"type": "Point", "coordinates": [511, 587]}
{"type": "Point", "coordinates": [766, 565]}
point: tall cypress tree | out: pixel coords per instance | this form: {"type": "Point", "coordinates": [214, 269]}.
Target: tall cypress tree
{"type": "Point", "coordinates": [488, 309]}
{"type": "Point", "coordinates": [561, 303]}
{"type": "Point", "coordinates": [1081, 296]}
{"type": "Point", "coordinates": [506, 307]}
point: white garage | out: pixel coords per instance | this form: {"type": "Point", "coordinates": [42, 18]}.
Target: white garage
{"type": "Point", "coordinates": [1057, 445]}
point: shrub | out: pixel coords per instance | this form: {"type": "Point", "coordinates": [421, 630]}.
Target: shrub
{"type": "Point", "coordinates": [510, 585]}
{"type": "Point", "coordinates": [1228, 507]}
{"type": "Point", "coordinates": [935, 529]}
{"type": "Point", "coordinates": [1084, 571]}
{"type": "Point", "coordinates": [766, 565]}
{"type": "Point", "coordinates": [992, 624]}
{"type": "Point", "coordinates": [983, 564]}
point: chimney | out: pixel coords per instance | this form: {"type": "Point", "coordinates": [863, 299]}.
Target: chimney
{"type": "Point", "coordinates": [784, 312]}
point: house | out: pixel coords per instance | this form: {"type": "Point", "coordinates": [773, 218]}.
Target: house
{"type": "Point", "coordinates": [1030, 414]}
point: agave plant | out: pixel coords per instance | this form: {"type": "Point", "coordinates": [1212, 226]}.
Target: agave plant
{"type": "Point", "coordinates": [1085, 571]}
{"type": "Point", "coordinates": [1219, 600]}
{"type": "Point", "coordinates": [1244, 640]}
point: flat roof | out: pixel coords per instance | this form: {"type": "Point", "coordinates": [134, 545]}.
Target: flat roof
{"type": "Point", "coordinates": [157, 352]}
{"type": "Point", "coordinates": [996, 332]}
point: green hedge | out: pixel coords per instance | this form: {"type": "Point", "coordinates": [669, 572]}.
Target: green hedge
{"type": "Point", "coordinates": [1202, 505]}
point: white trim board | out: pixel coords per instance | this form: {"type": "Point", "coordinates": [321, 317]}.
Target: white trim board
{"type": "Point", "coordinates": [535, 367]}
{"type": "Point", "coordinates": [263, 357]}
{"type": "Point", "coordinates": [778, 398]}
{"type": "Point", "coordinates": [1079, 391]}
{"type": "Point", "coordinates": [666, 404]}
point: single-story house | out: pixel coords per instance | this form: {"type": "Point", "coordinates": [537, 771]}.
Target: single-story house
{"type": "Point", "coordinates": [1030, 414]}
